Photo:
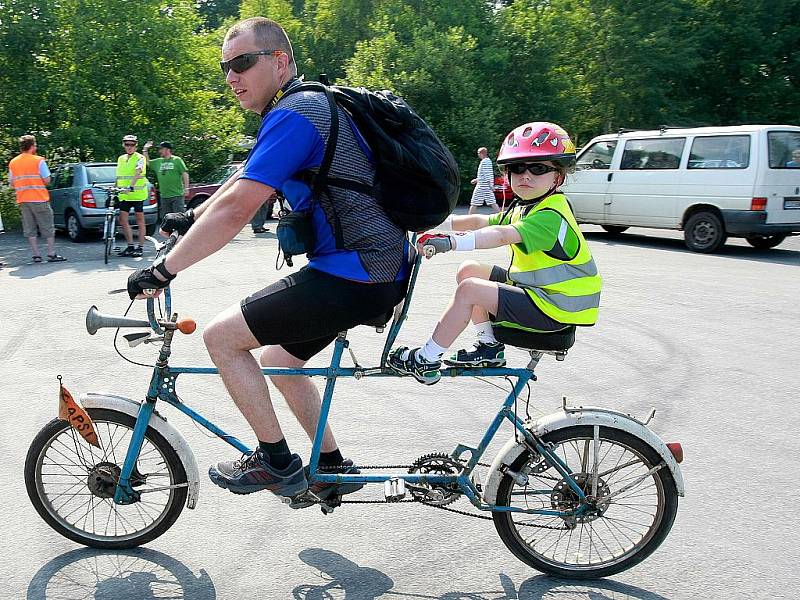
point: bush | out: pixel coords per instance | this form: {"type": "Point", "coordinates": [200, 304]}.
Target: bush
{"type": "Point", "coordinates": [9, 209]}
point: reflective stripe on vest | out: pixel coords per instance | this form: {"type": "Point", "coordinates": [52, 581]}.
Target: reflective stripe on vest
{"type": "Point", "coordinates": [565, 289]}
{"type": "Point", "coordinates": [126, 171]}
{"type": "Point", "coordinates": [26, 180]}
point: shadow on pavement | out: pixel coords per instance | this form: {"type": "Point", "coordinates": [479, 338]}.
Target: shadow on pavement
{"type": "Point", "coordinates": [138, 574]}
{"type": "Point", "coordinates": [344, 579]}
{"type": "Point", "coordinates": [776, 255]}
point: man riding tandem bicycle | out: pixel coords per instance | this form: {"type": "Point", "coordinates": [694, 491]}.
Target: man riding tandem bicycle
{"type": "Point", "coordinates": [583, 492]}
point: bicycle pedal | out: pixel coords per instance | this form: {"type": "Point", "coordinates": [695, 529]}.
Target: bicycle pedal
{"type": "Point", "coordinates": [302, 500]}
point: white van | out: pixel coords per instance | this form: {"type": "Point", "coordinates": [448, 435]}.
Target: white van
{"type": "Point", "coordinates": [711, 182]}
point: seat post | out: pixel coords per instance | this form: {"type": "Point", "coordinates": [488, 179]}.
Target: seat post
{"type": "Point", "coordinates": [536, 356]}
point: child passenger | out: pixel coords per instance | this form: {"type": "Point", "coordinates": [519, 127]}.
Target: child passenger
{"type": "Point", "coordinates": [552, 281]}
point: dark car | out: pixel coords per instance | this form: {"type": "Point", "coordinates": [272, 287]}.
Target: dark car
{"type": "Point", "coordinates": [79, 209]}
{"type": "Point", "coordinates": [200, 192]}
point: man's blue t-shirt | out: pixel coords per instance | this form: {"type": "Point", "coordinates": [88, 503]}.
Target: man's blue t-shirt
{"type": "Point", "coordinates": [291, 140]}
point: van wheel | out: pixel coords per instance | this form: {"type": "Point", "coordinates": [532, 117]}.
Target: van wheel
{"type": "Point", "coordinates": [704, 232]}
{"type": "Point", "coordinates": [765, 242]}
{"type": "Point", "coordinates": [196, 201]}
{"type": "Point", "coordinates": [75, 231]}
{"type": "Point", "coordinates": [614, 229]}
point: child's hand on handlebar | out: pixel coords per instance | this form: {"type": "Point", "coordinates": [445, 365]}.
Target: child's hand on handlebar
{"type": "Point", "coordinates": [434, 243]}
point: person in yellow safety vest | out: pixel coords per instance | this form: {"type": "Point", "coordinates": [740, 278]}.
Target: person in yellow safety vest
{"type": "Point", "coordinates": [29, 175]}
{"type": "Point", "coordinates": [552, 281]}
{"type": "Point", "coordinates": [131, 170]}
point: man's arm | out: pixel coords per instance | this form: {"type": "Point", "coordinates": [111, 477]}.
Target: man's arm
{"type": "Point", "coordinates": [185, 177]}
{"type": "Point", "coordinates": [136, 178]}
{"type": "Point", "coordinates": [146, 152]}
{"type": "Point", "coordinates": [223, 216]}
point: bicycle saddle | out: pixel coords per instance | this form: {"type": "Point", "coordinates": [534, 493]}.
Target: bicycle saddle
{"type": "Point", "coordinates": [559, 340]}
{"type": "Point", "coordinates": [380, 320]}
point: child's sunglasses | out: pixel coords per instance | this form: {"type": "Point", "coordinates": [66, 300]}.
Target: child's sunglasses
{"type": "Point", "coordinates": [533, 168]}
{"type": "Point", "coordinates": [240, 64]}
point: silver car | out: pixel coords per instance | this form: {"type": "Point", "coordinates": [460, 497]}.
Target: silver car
{"type": "Point", "coordinates": [79, 209]}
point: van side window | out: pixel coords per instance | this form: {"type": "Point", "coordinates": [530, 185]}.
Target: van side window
{"type": "Point", "coordinates": [652, 154]}
{"type": "Point", "coordinates": [720, 152]}
{"type": "Point", "coordinates": [597, 156]}
{"type": "Point", "coordinates": [784, 149]}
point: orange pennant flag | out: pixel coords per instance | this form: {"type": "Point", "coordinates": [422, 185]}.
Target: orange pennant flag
{"type": "Point", "coordinates": [73, 413]}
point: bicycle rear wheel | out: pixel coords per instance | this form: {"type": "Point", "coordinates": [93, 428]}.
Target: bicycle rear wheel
{"type": "Point", "coordinates": [71, 483]}
{"type": "Point", "coordinates": [618, 534]}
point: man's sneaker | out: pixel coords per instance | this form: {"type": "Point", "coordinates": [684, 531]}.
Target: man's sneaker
{"type": "Point", "coordinates": [253, 473]}
{"type": "Point", "coordinates": [128, 251]}
{"type": "Point", "coordinates": [324, 490]}
{"type": "Point", "coordinates": [138, 251]}
{"type": "Point", "coordinates": [404, 361]}
{"type": "Point", "coordinates": [481, 355]}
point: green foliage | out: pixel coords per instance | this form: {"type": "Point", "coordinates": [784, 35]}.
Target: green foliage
{"type": "Point", "coordinates": [81, 73]}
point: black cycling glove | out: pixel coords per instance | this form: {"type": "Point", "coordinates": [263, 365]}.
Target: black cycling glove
{"type": "Point", "coordinates": [146, 279]}
{"type": "Point", "coordinates": [179, 222]}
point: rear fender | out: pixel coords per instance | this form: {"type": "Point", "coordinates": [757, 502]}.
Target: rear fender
{"type": "Point", "coordinates": [160, 424]}
{"type": "Point", "coordinates": [573, 417]}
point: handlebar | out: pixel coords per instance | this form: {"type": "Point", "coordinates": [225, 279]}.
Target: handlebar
{"type": "Point", "coordinates": [162, 249]}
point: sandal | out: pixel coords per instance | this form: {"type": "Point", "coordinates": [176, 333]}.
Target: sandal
{"type": "Point", "coordinates": [54, 258]}
{"type": "Point", "coordinates": [37, 259]}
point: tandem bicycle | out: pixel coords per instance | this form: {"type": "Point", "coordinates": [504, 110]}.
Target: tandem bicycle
{"type": "Point", "coordinates": [583, 492]}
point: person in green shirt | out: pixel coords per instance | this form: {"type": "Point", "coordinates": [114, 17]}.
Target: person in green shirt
{"type": "Point", "coordinates": [552, 281]}
{"type": "Point", "coordinates": [172, 177]}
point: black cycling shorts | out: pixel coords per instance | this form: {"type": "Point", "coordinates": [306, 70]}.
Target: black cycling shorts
{"type": "Point", "coordinates": [514, 305]}
{"type": "Point", "coordinates": [126, 205]}
{"type": "Point", "coordinates": [305, 311]}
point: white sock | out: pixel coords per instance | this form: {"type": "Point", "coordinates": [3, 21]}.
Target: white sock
{"type": "Point", "coordinates": [484, 332]}
{"type": "Point", "coordinates": [431, 351]}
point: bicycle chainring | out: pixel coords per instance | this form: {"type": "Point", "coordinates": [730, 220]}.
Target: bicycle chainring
{"type": "Point", "coordinates": [436, 494]}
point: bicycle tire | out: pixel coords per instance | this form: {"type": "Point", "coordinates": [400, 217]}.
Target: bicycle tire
{"type": "Point", "coordinates": [666, 493]}
{"type": "Point", "coordinates": [112, 455]}
{"type": "Point", "coordinates": [108, 236]}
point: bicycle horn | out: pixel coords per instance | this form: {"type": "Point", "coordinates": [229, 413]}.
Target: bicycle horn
{"type": "Point", "coordinates": [96, 320]}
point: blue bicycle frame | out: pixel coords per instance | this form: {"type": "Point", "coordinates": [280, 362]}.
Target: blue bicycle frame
{"type": "Point", "coordinates": [162, 387]}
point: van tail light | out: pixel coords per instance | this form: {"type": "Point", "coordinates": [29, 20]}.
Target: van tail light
{"type": "Point", "coordinates": [758, 204]}
{"type": "Point", "coordinates": [676, 450]}
{"type": "Point", "coordinates": [87, 199]}
{"type": "Point", "coordinates": [151, 197]}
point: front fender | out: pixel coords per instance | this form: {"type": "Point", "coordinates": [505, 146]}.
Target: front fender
{"type": "Point", "coordinates": [159, 423]}
{"type": "Point", "coordinates": [573, 417]}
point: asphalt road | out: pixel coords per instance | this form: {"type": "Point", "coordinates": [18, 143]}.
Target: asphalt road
{"type": "Point", "coordinates": [710, 341]}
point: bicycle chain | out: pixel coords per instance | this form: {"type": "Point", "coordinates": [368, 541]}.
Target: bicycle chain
{"type": "Point", "coordinates": [414, 500]}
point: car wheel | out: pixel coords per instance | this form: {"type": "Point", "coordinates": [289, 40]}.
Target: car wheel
{"type": "Point", "coordinates": [75, 231]}
{"type": "Point", "coordinates": [614, 229]}
{"type": "Point", "coordinates": [196, 201]}
{"type": "Point", "coordinates": [704, 232]}
{"type": "Point", "coordinates": [151, 229]}
{"type": "Point", "coordinates": [765, 242]}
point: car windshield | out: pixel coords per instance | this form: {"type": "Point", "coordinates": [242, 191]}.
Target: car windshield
{"type": "Point", "coordinates": [221, 174]}
{"type": "Point", "coordinates": [101, 174]}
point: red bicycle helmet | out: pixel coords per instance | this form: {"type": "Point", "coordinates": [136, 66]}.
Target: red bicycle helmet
{"type": "Point", "coordinates": [536, 142]}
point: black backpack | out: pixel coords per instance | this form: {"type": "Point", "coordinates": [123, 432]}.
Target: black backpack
{"type": "Point", "coordinates": [416, 177]}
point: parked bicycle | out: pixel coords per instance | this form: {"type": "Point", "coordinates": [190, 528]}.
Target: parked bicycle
{"type": "Point", "coordinates": [584, 492]}
{"type": "Point", "coordinates": [111, 218]}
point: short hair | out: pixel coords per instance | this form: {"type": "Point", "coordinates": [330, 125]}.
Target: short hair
{"type": "Point", "coordinates": [483, 150]}
{"type": "Point", "coordinates": [268, 34]}
{"type": "Point", "coordinates": [26, 142]}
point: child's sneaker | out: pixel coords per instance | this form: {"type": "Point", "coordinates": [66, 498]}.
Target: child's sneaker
{"type": "Point", "coordinates": [403, 360]}
{"type": "Point", "coordinates": [482, 355]}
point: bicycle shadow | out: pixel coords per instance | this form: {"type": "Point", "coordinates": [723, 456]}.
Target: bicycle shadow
{"type": "Point", "coordinates": [346, 580]}
{"type": "Point", "coordinates": [137, 574]}
{"type": "Point", "coordinates": [776, 255]}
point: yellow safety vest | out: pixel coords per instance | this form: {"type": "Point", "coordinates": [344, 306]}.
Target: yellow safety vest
{"type": "Point", "coordinates": [565, 288]}
{"type": "Point", "coordinates": [126, 170]}
{"type": "Point", "coordinates": [26, 180]}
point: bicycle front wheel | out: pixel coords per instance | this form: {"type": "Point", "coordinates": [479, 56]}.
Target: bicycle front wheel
{"type": "Point", "coordinates": [632, 505]}
{"type": "Point", "coordinates": [108, 238]}
{"type": "Point", "coordinates": [71, 483]}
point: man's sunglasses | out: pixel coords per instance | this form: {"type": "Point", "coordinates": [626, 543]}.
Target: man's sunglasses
{"type": "Point", "coordinates": [533, 168]}
{"type": "Point", "coordinates": [128, 143]}
{"type": "Point", "coordinates": [240, 64]}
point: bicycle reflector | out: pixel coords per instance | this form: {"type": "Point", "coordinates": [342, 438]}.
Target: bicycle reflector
{"type": "Point", "coordinates": [677, 451]}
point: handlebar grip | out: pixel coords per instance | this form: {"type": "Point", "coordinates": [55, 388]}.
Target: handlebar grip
{"type": "Point", "coordinates": [428, 251]}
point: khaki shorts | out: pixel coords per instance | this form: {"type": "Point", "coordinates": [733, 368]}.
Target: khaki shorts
{"type": "Point", "coordinates": [37, 216]}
